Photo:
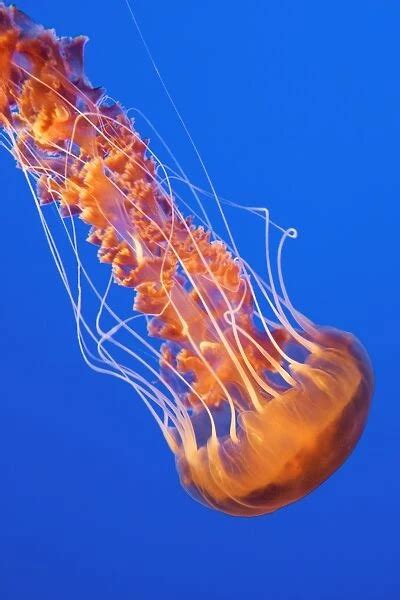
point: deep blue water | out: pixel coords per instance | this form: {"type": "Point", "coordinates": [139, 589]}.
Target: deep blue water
{"type": "Point", "coordinates": [294, 106]}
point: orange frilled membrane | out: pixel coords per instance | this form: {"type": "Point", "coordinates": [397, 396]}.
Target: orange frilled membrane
{"type": "Point", "coordinates": [247, 444]}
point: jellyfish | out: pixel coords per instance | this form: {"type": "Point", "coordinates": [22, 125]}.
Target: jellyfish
{"type": "Point", "coordinates": [258, 404]}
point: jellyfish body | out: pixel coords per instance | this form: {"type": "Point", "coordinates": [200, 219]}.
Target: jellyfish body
{"type": "Point", "coordinates": [257, 413]}
{"type": "Point", "coordinates": [295, 442]}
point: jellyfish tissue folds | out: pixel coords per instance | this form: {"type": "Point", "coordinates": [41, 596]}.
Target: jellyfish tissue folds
{"type": "Point", "coordinates": [258, 404]}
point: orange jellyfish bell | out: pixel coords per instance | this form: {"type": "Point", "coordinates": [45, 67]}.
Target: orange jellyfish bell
{"type": "Point", "coordinates": [290, 444]}
{"type": "Point", "coordinates": [258, 404]}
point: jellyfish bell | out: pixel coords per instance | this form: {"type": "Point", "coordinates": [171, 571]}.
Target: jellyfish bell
{"type": "Point", "coordinates": [257, 410]}
{"type": "Point", "coordinates": [294, 442]}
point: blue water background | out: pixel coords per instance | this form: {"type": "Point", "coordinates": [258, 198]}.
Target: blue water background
{"type": "Point", "coordinates": [294, 106]}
